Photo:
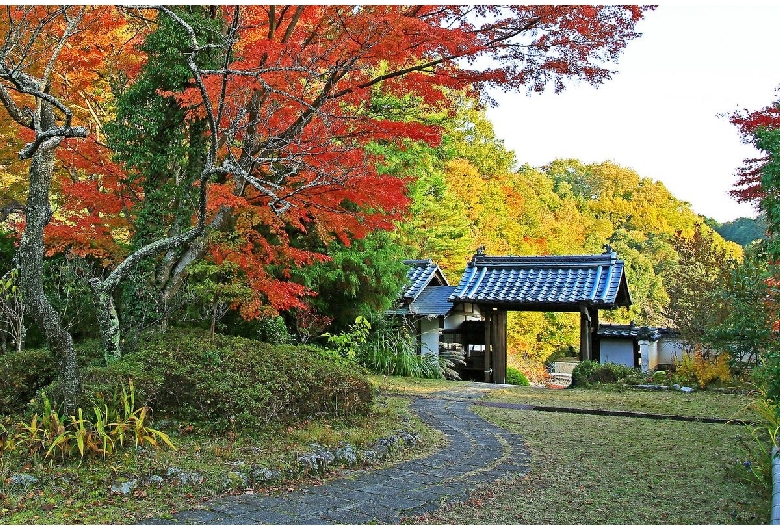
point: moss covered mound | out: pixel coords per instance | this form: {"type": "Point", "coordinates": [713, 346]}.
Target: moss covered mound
{"type": "Point", "coordinates": [224, 383]}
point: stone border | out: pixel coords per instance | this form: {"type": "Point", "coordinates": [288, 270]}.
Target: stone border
{"type": "Point", "coordinates": [619, 413]}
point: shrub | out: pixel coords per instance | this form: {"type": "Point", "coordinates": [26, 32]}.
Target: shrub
{"type": "Point", "coordinates": [582, 375]}
{"type": "Point", "coordinates": [392, 351]}
{"type": "Point", "coordinates": [233, 382]}
{"type": "Point", "coordinates": [659, 377]}
{"type": "Point", "coordinates": [348, 343]}
{"type": "Point", "coordinates": [695, 369]}
{"type": "Point", "coordinates": [587, 373]}
{"type": "Point", "coordinates": [516, 377]}
{"type": "Point", "coordinates": [273, 331]}
{"type": "Point", "coordinates": [22, 374]}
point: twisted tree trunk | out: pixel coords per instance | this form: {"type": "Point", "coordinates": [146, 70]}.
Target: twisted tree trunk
{"type": "Point", "coordinates": [30, 259]}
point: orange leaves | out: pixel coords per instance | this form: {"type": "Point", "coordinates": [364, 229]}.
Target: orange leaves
{"type": "Point", "coordinates": [90, 222]}
{"type": "Point", "coordinates": [221, 195]}
{"type": "Point", "coordinates": [68, 47]}
{"type": "Point", "coordinates": [265, 271]}
{"type": "Point", "coordinates": [293, 97]}
{"type": "Point", "coordinates": [395, 131]}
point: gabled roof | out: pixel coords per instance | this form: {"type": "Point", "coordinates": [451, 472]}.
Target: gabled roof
{"type": "Point", "coordinates": [555, 283]}
{"type": "Point", "coordinates": [421, 274]}
{"type": "Point", "coordinates": [433, 301]}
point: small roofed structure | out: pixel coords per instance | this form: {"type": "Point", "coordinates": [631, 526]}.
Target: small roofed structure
{"type": "Point", "coordinates": [425, 303]}
{"type": "Point", "coordinates": [422, 273]}
{"type": "Point", "coordinates": [473, 315]}
{"type": "Point", "coordinates": [577, 283]}
{"type": "Point", "coordinates": [642, 347]}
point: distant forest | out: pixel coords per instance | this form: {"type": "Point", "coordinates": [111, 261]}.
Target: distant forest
{"type": "Point", "coordinates": [742, 231]}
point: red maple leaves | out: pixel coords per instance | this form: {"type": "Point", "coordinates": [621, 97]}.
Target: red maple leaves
{"type": "Point", "coordinates": [748, 186]}
{"type": "Point", "coordinates": [294, 96]}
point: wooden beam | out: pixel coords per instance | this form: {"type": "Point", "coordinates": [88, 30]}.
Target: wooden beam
{"type": "Point", "coordinates": [488, 345]}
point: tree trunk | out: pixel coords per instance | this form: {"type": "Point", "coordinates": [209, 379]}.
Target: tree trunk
{"type": "Point", "coordinates": [30, 258]}
{"type": "Point", "coordinates": [108, 321]}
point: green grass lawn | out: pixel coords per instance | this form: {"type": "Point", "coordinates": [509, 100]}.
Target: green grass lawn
{"type": "Point", "coordinates": [584, 469]}
{"type": "Point", "coordinates": [703, 404]}
{"type": "Point", "coordinates": [588, 469]}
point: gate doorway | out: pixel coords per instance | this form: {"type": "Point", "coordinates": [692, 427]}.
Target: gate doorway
{"type": "Point", "coordinates": [498, 284]}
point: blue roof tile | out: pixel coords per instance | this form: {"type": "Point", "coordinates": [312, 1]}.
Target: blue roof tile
{"type": "Point", "coordinates": [631, 331]}
{"type": "Point", "coordinates": [433, 301]}
{"type": "Point", "coordinates": [544, 281]}
{"type": "Point", "coordinates": [420, 275]}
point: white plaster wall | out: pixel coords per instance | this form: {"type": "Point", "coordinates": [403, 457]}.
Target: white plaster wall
{"type": "Point", "coordinates": [453, 320]}
{"type": "Point", "coordinates": [669, 351]}
{"type": "Point", "coordinates": [429, 336]}
{"type": "Point", "coordinates": [617, 351]}
{"type": "Point", "coordinates": [652, 354]}
{"type": "Point", "coordinates": [458, 316]}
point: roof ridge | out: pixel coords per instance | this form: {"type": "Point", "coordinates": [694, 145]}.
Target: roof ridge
{"type": "Point", "coordinates": [578, 259]}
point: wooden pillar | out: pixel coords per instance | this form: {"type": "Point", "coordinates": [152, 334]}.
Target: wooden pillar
{"type": "Point", "coordinates": [499, 347]}
{"type": "Point", "coordinates": [595, 345]}
{"type": "Point", "coordinates": [488, 375]}
{"type": "Point", "coordinates": [585, 336]}
{"type": "Point", "coordinates": [495, 346]}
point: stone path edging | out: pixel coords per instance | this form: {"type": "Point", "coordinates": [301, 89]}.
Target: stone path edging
{"type": "Point", "coordinates": [477, 452]}
{"type": "Point", "coordinates": [619, 413]}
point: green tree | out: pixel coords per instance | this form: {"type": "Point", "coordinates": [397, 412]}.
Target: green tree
{"type": "Point", "coordinates": [164, 154]}
{"type": "Point", "coordinates": [742, 231]}
{"type": "Point", "coordinates": [699, 278]}
{"type": "Point", "coordinates": [358, 280]}
{"type": "Point", "coordinates": [752, 298]}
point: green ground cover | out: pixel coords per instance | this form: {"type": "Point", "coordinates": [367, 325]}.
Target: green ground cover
{"type": "Point", "coordinates": [699, 403]}
{"type": "Point", "coordinates": [584, 469]}
{"type": "Point", "coordinates": [81, 493]}
{"type": "Point", "coordinates": [588, 469]}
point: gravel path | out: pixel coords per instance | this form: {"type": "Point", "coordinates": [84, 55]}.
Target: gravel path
{"type": "Point", "coordinates": [477, 452]}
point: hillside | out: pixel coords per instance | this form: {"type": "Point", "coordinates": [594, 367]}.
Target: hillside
{"type": "Point", "coordinates": [742, 231]}
{"type": "Point", "coordinates": [469, 193]}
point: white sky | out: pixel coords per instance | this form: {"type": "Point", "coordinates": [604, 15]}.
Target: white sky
{"type": "Point", "coordinates": [659, 113]}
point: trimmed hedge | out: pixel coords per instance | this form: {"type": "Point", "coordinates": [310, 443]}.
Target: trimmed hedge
{"type": "Point", "coordinates": [516, 377]}
{"type": "Point", "coordinates": [588, 373]}
{"type": "Point", "coordinates": [22, 374]}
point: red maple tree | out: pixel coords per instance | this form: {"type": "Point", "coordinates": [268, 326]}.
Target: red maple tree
{"type": "Point", "coordinates": [291, 99]}
{"type": "Point", "coordinates": [295, 102]}
{"type": "Point", "coordinates": [748, 186]}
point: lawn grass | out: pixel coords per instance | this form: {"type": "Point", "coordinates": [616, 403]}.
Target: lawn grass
{"type": "Point", "coordinates": [699, 403]}
{"type": "Point", "coordinates": [410, 386]}
{"type": "Point", "coordinates": [608, 470]}
{"type": "Point", "coordinates": [74, 493]}
{"type": "Point", "coordinates": [584, 469]}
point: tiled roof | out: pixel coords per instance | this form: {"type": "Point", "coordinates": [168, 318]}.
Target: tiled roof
{"type": "Point", "coordinates": [628, 331]}
{"type": "Point", "coordinates": [616, 331]}
{"type": "Point", "coordinates": [433, 301]}
{"type": "Point", "coordinates": [538, 282]}
{"type": "Point", "coordinates": [419, 276]}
